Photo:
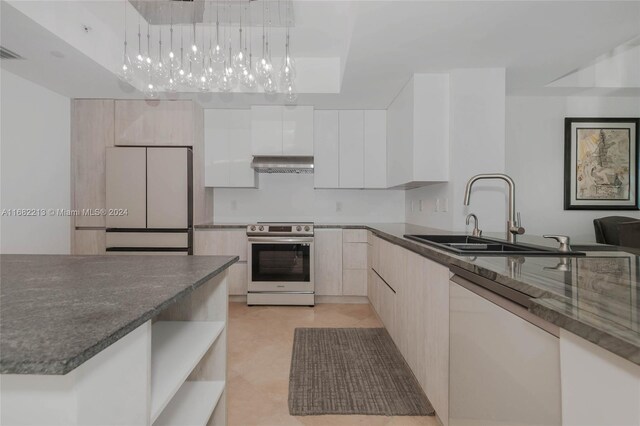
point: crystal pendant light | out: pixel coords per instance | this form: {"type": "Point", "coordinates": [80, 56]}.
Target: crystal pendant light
{"type": "Point", "coordinates": [150, 90]}
{"type": "Point", "coordinates": [290, 93]}
{"type": "Point", "coordinates": [228, 80]}
{"type": "Point", "coordinates": [195, 54]}
{"type": "Point", "coordinates": [147, 58]}
{"type": "Point", "coordinates": [239, 59]}
{"type": "Point", "coordinates": [140, 63]}
{"type": "Point", "coordinates": [160, 69]}
{"type": "Point", "coordinates": [217, 53]}
{"type": "Point", "coordinates": [248, 78]}
{"type": "Point", "coordinates": [172, 63]}
{"type": "Point", "coordinates": [181, 74]}
{"type": "Point", "coordinates": [126, 71]}
{"type": "Point", "coordinates": [287, 71]}
{"type": "Point", "coordinates": [263, 65]}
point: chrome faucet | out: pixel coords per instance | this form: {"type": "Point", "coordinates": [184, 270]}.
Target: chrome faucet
{"type": "Point", "coordinates": [477, 232]}
{"type": "Point", "coordinates": [513, 224]}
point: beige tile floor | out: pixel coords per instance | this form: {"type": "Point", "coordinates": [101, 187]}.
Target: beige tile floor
{"type": "Point", "coordinates": [260, 342]}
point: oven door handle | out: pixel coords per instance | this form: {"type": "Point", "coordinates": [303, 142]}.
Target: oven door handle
{"type": "Point", "coordinates": [276, 240]}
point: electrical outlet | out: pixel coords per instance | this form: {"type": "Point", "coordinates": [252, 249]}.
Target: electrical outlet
{"type": "Point", "coordinates": [420, 205]}
{"type": "Point", "coordinates": [437, 209]}
{"type": "Point", "coordinates": [445, 205]}
{"type": "Point", "coordinates": [338, 206]}
{"type": "Point", "coordinates": [412, 206]}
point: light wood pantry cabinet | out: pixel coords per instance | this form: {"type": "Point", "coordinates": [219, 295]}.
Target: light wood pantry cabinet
{"type": "Point", "coordinates": [92, 131]}
{"type": "Point", "coordinates": [282, 130]}
{"type": "Point", "coordinates": [98, 124]}
{"type": "Point", "coordinates": [227, 242]}
{"type": "Point", "coordinates": [227, 149]}
{"type": "Point", "coordinates": [88, 241]}
{"type": "Point", "coordinates": [327, 248]}
{"type": "Point", "coordinates": [141, 122]}
{"type": "Point", "coordinates": [350, 149]}
{"type": "Point", "coordinates": [410, 293]}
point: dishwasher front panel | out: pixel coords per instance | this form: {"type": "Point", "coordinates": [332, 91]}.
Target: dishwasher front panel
{"type": "Point", "coordinates": [503, 369]}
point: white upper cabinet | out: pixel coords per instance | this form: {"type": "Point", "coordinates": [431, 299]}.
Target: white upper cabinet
{"type": "Point", "coordinates": [351, 149]}
{"type": "Point", "coordinates": [227, 151]}
{"type": "Point", "coordinates": [375, 149]}
{"type": "Point", "coordinates": [297, 130]}
{"type": "Point", "coordinates": [326, 140]}
{"type": "Point", "coordinates": [266, 130]}
{"type": "Point", "coordinates": [418, 132]}
{"type": "Point", "coordinates": [279, 130]}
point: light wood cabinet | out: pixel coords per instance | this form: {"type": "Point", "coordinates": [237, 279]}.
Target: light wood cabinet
{"type": "Point", "coordinates": [354, 282]}
{"type": "Point", "coordinates": [88, 241]}
{"type": "Point", "coordinates": [92, 131]}
{"type": "Point", "coordinates": [145, 123]}
{"type": "Point", "coordinates": [227, 152]}
{"type": "Point", "coordinates": [354, 255]}
{"type": "Point", "coordinates": [355, 252]}
{"type": "Point", "coordinates": [326, 151]}
{"type": "Point", "coordinates": [328, 262]}
{"type": "Point", "coordinates": [217, 242]}
{"type": "Point", "coordinates": [351, 149]}
{"type": "Point", "coordinates": [419, 324]}
{"type": "Point", "coordinates": [355, 235]}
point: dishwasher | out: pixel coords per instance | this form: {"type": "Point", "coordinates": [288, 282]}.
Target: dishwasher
{"type": "Point", "coordinates": [504, 361]}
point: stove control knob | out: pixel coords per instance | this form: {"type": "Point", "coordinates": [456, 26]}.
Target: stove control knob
{"type": "Point", "coordinates": [298, 228]}
{"type": "Point", "coordinates": [260, 228]}
{"type": "Point", "coordinates": [306, 228]}
{"type": "Point", "coordinates": [253, 228]}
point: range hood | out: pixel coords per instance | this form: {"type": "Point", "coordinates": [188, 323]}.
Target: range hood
{"type": "Point", "coordinates": [282, 164]}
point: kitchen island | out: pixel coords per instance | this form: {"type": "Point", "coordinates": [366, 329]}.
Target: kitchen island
{"type": "Point", "coordinates": [113, 339]}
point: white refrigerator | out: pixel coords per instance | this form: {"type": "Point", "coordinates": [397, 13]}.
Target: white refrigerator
{"type": "Point", "coordinates": [149, 200]}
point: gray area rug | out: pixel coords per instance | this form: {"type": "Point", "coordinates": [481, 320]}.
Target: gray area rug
{"type": "Point", "coordinates": [352, 371]}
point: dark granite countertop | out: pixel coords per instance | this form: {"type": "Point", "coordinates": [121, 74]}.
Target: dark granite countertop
{"type": "Point", "coordinates": [58, 311]}
{"type": "Point", "coordinates": [596, 297]}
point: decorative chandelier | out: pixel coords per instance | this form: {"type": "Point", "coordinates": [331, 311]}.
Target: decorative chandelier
{"type": "Point", "coordinates": [220, 62]}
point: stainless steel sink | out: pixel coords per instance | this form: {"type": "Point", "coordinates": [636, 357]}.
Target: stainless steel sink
{"type": "Point", "coordinates": [480, 246]}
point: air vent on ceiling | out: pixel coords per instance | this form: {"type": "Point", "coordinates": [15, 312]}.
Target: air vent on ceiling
{"type": "Point", "coordinates": [7, 54]}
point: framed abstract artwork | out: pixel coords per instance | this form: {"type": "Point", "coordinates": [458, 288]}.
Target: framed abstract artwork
{"type": "Point", "coordinates": [601, 163]}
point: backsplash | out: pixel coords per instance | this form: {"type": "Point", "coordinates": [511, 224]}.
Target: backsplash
{"type": "Point", "coordinates": [291, 197]}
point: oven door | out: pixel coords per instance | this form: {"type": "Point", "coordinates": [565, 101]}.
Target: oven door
{"type": "Point", "coordinates": [280, 264]}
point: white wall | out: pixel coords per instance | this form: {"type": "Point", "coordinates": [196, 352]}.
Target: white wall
{"type": "Point", "coordinates": [35, 164]}
{"type": "Point", "coordinates": [291, 197]}
{"type": "Point", "coordinates": [476, 143]}
{"type": "Point", "coordinates": [535, 159]}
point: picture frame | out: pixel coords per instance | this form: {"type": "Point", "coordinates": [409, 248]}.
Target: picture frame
{"type": "Point", "coordinates": [601, 163]}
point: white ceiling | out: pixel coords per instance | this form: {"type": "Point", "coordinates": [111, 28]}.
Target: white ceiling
{"type": "Point", "coordinates": [379, 45]}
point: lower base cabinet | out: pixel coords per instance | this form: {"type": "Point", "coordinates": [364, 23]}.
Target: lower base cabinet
{"type": "Point", "coordinates": [503, 369]}
{"type": "Point", "coordinates": [411, 297]}
{"type": "Point", "coordinates": [598, 387]}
